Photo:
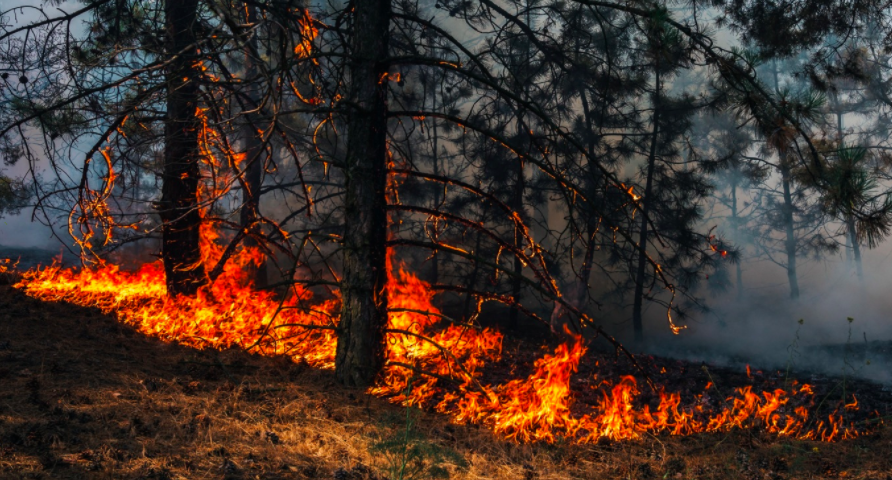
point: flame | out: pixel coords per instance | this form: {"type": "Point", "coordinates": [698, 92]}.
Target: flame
{"type": "Point", "coordinates": [432, 360]}
{"type": "Point", "coordinates": [715, 249]}
{"type": "Point", "coordinates": [308, 33]}
{"type": "Point", "coordinates": [539, 407]}
{"type": "Point", "coordinates": [630, 191]}
{"type": "Point", "coordinates": [391, 77]}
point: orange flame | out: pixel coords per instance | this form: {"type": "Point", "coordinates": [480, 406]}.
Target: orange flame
{"type": "Point", "coordinates": [431, 360]}
{"type": "Point", "coordinates": [540, 407]}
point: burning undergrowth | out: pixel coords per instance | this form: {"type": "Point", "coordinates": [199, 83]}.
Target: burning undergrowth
{"type": "Point", "coordinates": [466, 372]}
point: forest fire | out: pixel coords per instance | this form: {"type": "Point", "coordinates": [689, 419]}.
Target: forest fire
{"type": "Point", "coordinates": [431, 362]}
{"type": "Point", "coordinates": [445, 204]}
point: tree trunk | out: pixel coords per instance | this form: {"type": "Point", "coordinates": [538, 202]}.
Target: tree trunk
{"type": "Point", "coordinates": [594, 182]}
{"type": "Point", "coordinates": [519, 189]}
{"type": "Point", "coordinates": [472, 280]}
{"type": "Point", "coordinates": [250, 212]}
{"type": "Point", "coordinates": [849, 227]}
{"type": "Point", "coordinates": [736, 229]}
{"type": "Point", "coordinates": [360, 349]}
{"type": "Point", "coordinates": [856, 248]}
{"type": "Point", "coordinates": [637, 323]}
{"type": "Point", "coordinates": [517, 206]}
{"type": "Point", "coordinates": [585, 272]}
{"type": "Point", "coordinates": [178, 207]}
{"type": "Point", "coordinates": [435, 264]}
{"type": "Point", "coordinates": [790, 242]}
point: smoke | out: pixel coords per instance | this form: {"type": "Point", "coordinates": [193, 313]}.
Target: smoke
{"type": "Point", "coordinates": [763, 327]}
{"type": "Point", "coordinates": [20, 231]}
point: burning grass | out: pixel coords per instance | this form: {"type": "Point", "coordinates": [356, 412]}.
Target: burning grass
{"type": "Point", "coordinates": [425, 348]}
{"type": "Point", "coordinates": [85, 396]}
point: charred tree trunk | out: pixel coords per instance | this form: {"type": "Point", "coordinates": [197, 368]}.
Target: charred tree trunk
{"type": "Point", "coordinates": [178, 207]}
{"type": "Point", "coordinates": [517, 203]}
{"type": "Point", "coordinates": [591, 225]}
{"type": "Point", "coordinates": [517, 206]}
{"type": "Point", "coordinates": [360, 349]}
{"type": "Point", "coordinates": [585, 272]}
{"type": "Point", "coordinates": [472, 280]}
{"type": "Point", "coordinates": [638, 301]}
{"type": "Point", "coordinates": [736, 228]}
{"type": "Point", "coordinates": [435, 263]}
{"type": "Point", "coordinates": [254, 155]}
{"type": "Point", "coordinates": [790, 241]}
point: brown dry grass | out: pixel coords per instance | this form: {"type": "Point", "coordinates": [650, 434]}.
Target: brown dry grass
{"type": "Point", "coordinates": [82, 396]}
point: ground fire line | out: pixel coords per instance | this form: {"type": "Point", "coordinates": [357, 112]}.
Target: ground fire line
{"type": "Point", "coordinates": [424, 351]}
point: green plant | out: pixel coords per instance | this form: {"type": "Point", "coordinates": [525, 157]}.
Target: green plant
{"type": "Point", "coordinates": [409, 455]}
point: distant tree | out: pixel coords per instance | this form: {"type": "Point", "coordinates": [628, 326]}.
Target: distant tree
{"type": "Point", "coordinates": [852, 186]}
{"type": "Point", "coordinates": [13, 196]}
{"type": "Point", "coordinates": [840, 50]}
{"type": "Point", "coordinates": [671, 194]}
{"type": "Point", "coordinates": [724, 146]}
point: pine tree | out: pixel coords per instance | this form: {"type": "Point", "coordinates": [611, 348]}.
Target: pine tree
{"type": "Point", "coordinates": [360, 353]}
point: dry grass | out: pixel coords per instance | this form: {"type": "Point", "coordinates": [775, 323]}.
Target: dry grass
{"type": "Point", "coordinates": [82, 396]}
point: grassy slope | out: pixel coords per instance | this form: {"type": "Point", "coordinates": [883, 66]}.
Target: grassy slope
{"type": "Point", "coordinates": [82, 396]}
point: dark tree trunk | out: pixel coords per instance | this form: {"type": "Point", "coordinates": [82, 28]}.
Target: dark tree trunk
{"type": "Point", "coordinates": [591, 223]}
{"type": "Point", "coordinates": [178, 207]}
{"type": "Point", "coordinates": [851, 245]}
{"type": "Point", "coordinates": [472, 280]}
{"type": "Point", "coordinates": [585, 272]}
{"type": "Point", "coordinates": [360, 350]}
{"type": "Point", "coordinates": [641, 265]}
{"type": "Point", "coordinates": [517, 203]}
{"type": "Point", "coordinates": [517, 206]}
{"type": "Point", "coordinates": [435, 264]}
{"type": "Point", "coordinates": [790, 241]}
{"type": "Point", "coordinates": [736, 228]}
{"type": "Point", "coordinates": [638, 301]}
{"type": "Point", "coordinates": [254, 155]}
{"type": "Point", "coordinates": [789, 228]}
{"type": "Point", "coordinates": [856, 247]}
{"type": "Point", "coordinates": [839, 137]}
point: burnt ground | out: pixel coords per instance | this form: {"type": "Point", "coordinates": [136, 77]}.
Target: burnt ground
{"type": "Point", "coordinates": [83, 396]}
